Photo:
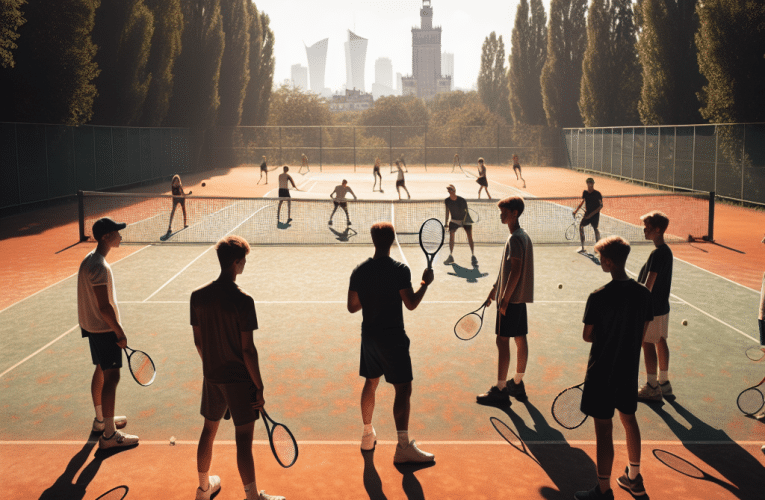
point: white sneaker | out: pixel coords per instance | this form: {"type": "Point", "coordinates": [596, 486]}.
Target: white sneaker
{"type": "Point", "coordinates": [760, 416]}
{"type": "Point", "coordinates": [650, 393]}
{"type": "Point", "coordinates": [211, 489]}
{"type": "Point", "coordinates": [411, 454]}
{"type": "Point", "coordinates": [99, 425]}
{"type": "Point", "coordinates": [262, 495]}
{"type": "Point", "coordinates": [368, 441]}
{"type": "Point", "coordinates": [117, 440]}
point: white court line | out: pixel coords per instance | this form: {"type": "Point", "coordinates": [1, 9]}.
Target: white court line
{"type": "Point", "coordinates": [717, 275]}
{"type": "Point", "coordinates": [64, 279]}
{"type": "Point", "coordinates": [393, 218]}
{"type": "Point", "coordinates": [343, 302]}
{"type": "Point", "coordinates": [707, 314]}
{"type": "Point", "coordinates": [41, 349]}
{"type": "Point", "coordinates": [201, 254]}
{"type": "Point", "coordinates": [499, 442]}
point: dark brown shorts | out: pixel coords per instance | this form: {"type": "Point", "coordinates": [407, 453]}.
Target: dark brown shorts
{"type": "Point", "coordinates": [237, 397]}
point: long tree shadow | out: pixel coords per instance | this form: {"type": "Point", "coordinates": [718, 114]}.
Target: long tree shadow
{"type": "Point", "coordinates": [735, 464]}
{"type": "Point", "coordinates": [63, 487]}
{"type": "Point", "coordinates": [570, 469]}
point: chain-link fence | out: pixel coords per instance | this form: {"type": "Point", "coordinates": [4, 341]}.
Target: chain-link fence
{"type": "Point", "coordinates": [41, 162]}
{"type": "Point", "coordinates": [359, 145]}
{"type": "Point", "coordinates": [726, 159]}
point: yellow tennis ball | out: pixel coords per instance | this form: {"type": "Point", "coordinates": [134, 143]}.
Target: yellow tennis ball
{"type": "Point", "coordinates": [685, 322]}
{"type": "Point", "coordinates": [560, 285]}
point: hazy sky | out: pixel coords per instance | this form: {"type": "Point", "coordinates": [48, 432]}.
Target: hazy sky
{"type": "Point", "coordinates": [387, 25]}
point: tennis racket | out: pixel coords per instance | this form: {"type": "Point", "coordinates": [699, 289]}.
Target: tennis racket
{"type": "Point", "coordinates": [684, 467]}
{"type": "Point", "coordinates": [566, 407]}
{"type": "Point", "coordinates": [471, 217]}
{"type": "Point", "coordinates": [571, 230]}
{"type": "Point", "coordinates": [431, 239]}
{"type": "Point", "coordinates": [282, 442]}
{"type": "Point", "coordinates": [470, 324]}
{"type": "Point", "coordinates": [751, 400]}
{"type": "Point", "coordinates": [755, 353]}
{"type": "Point", "coordinates": [141, 366]}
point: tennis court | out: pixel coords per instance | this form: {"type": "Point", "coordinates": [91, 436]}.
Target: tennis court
{"type": "Point", "coordinates": [308, 345]}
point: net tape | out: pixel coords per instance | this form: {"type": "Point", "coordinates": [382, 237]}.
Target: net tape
{"type": "Point", "coordinates": [259, 221]}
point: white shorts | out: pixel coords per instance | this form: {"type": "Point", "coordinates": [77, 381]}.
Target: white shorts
{"type": "Point", "coordinates": [657, 329]}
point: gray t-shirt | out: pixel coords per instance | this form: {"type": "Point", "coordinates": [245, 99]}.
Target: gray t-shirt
{"type": "Point", "coordinates": [518, 246]}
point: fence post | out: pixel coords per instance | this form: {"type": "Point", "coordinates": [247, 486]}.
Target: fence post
{"type": "Point", "coordinates": [111, 136]}
{"type": "Point", "coordinates": [81, 214]}
{"type": "Point", "coordinates": [497, 145]}
{"type": "Point", "coordinates": [693, 158]}
{"type": "Point", "coordinates": [674, 161]}
{"type": "Point", "coordinates": [711, 228]}
{"type": "Point", "coordinates": [717, 145]}
{"type": "Point", "coordinates": [645, 150]}
{"type": "Point", "coordinates": [425, 153]}
{"type": "Point", "coordinates": [321, 149]}
{"type": "Point", "coordinates": [354, 149]}
{"type": "Point", "coordinates": [95, 161]}
{"type": "Point", "coordinates": [47, 164]}
{"type": "Point", "coordinates": [390, 145]}
{"type": "Point", "coordinates": [280, 145]}
{"type": "Point", "coordinates": [743, 162]}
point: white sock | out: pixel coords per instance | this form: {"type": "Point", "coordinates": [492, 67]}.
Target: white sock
{"type": "Point", "coordinates": [250, 492]}
{"type": "Point", "coordinates": [663, 376]}
{"type": "Point", "coordinates": [204, 480]}
{"type": "Point", "coordinates": [368, 429]}
{"type": "Point", "coordinates": [634, 470]}
{"type": "Point", "coordinates": [100, 413]}
{"type": "Point", "coordinates": [403, 438]}
{"type": "Point", "coordinates": [652, 379]}
{"type": "Point", "coordinates": [518, 378]}
{"type": "Point", "coordinates": [501, 384]}
{"type": "Point", "coordinates": [109, 428]}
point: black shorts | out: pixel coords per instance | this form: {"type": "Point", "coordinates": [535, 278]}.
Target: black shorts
{"type": "Point", "coordinates": [592, 221]}
{"type": "Point", "coordinates": [341, 204]}
{"type": "Point", "coordinates": [179, 200]}
{"type": "Point", "coordinates": [104, 350]}
{"type": "Point", "coordinates": [453, 226]}
{"type": "Point", "coordinates": [600, 401]}
{"type": "Point", "coordinates": [482, 181]}
{"type": "Point", "coordinates": [386, 353]}
{"type": "Point", "coordinates": [237, 397]}
{"type": "Point", "coordinates": [517, 167]}
{"type": "Point", "coordinates": [514, 323]}
{"type": "Point", "coordinates": [284, 193]}
{"type": "Point", "coordinates": [400, 183]}
{"type": "Point", "coordinates": [762, 331]}
{"type": "Point", "coordinates": [376, 171]}
{"type": "Point", "coordinates": [264, 168]}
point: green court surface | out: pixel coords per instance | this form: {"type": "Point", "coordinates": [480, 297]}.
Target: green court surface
{"type": "Point", "coordinates": [309, 352]}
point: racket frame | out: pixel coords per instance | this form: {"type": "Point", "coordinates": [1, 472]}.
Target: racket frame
{"type": "Point", "coordinates": [753, 388]}
{"type": "Point", "coordinates": [755, 353]}
{"type": "Point", "coordinates": [428, 255]}
{"type": "Point", "coordinates": [270, 431]}
{"type": "Point", "coordinates": [129, 353]}
{"type": "Point", "coordinates": [552, 407]}
{"type": "Point", "coordinates": [480, 324]}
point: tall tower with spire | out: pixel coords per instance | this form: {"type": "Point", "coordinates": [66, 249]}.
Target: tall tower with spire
{"type": "Point", "coordinates": [426, 80]}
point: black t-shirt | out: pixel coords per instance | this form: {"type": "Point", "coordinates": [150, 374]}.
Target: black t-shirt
{"type": "Point", "coordinates": [592, 201]}
{"type": "Point", "coordinates": [618, 312]}
{"type": "Point", "coordinates": [457, 208]}
{"type": "Point", "coordinates": [263, 166]}
{"type": "Point", "coordinates": [378, 282]}
{"type": "Point", "coordinates": [660, 262]}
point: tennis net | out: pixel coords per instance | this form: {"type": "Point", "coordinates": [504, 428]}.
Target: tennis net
{"type": "Point", "coordinates": [259, 221]}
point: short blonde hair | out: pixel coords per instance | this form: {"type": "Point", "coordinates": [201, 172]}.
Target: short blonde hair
{"type": "Point", "coordinates": [230, 249]}
{"type": "Point", "coordinates": [656, 219]}
{"type": "Point", "coordinates": [614, 248]}
{"type": "Point", "coordinates": [512, 203]}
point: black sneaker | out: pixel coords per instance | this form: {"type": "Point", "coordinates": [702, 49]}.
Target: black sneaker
{"type": "Point", "coordinates": [594, 494]}
{"type": "Point", "coordinates": [518, 391]}
{"type": "Point", "coordinates": [635, 486]}
{"type": "Point", "coordinates": [494, 396]}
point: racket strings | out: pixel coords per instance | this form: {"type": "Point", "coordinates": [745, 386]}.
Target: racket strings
{"type": "Point", "coordinates": [432, 236]}
{"type": "Point", "coordinates": [750, 401]}
{"type": "Point", "coordinates": [468, 326]}
{"type": "Point", "coordinates": [284, 445]}
{"type": "Point", "coordinates": [142, 367]}
{"type": "Point", "coordinates": [679, 464]}
{"type": "Point", "coordinates": [566, 408]}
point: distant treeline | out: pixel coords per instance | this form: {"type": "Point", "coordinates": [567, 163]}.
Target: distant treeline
{"type": "Point", "coordinates": [150, 63]}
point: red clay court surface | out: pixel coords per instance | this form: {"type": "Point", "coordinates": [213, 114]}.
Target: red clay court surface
{"type": "Point", "coordinates": [35, 256]}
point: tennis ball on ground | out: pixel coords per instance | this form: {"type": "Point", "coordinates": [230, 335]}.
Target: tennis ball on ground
{"type": "Point", "coordinates": [172, 440]}
{"type": "Point", "coordinates": [203, 184]}
{"type": "Point", "coordinates": [685, 322]}
{"type": "Point", "coordinates": [560, 285]}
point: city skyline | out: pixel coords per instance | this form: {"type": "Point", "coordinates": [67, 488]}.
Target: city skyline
{"type": "Point", "coordinates": [386, 24]}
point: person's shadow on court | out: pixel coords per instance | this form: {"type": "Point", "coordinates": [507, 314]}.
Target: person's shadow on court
{"type": "Point", "coordinates": [344, 235]}
{"type": "Point", "coordinates": [735, 464]}
{"type": "Point", "coordinates": [372, 482]}
{"type": "Point", "coordinates": [412, 487]}
{"type": "Point", "coordinates": [570, 469]}
{"type": "Point", "coordinates": [470, 275]}
{"type": "Point", "coordinates": [64, 487]}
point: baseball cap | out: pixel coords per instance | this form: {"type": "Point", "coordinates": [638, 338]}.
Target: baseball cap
{"type": "Point", "coordinates": [450, 187]}
{"type": "Point", "coordinates": [106, 225]}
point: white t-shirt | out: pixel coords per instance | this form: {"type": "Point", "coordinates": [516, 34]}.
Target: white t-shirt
{"type": "Point", "coordinates": [340, 192]}
{"type": "Point", "coordinates": [94, 271]}
{"type": "Point", "coordinates": [518, 245]}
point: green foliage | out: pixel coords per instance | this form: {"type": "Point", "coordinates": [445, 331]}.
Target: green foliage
{"type": "Point", "coordinates": [11, 19]}
{"type": "Point", "coordinates": [53, 79]}
{"type": "Point", "coordinates": [123, 33]}
{"type": "Point", "coordinates": [667, 53]}
{"type": "Point", "coordinates": [266, 71]}
{"type": "Point", "coordinates": [195, 99]}
{"type": "Point", "coordinates": [290, 106]}
{"type": "Point", "coordinates": [165, 48]}
{"type": "Point", "coordinates": [258, 93]}
{"type": "Point", "coordinates": [610, 86]}
{"type": "Point", "coordinates": [492, 77]}
{"type": "Point", "coordinates": [562, 71]}
{"type": "Point", "coordinates": [235, 67]}
{"type": "Point", "coordinates": [731, 56]}
{"type": "Point", "coordinates": [529, 51]}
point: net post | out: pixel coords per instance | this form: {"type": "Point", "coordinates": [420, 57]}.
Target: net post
{"type": "Point", "coordinates": [711, 228]}
{"type": "Point", "coordinates": [81, 214]}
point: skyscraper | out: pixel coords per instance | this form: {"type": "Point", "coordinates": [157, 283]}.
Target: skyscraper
{"type": "Point", "coordinates": [447, 67]}
{"type": "Point", "coordinates": [426, 80]}
{"type": "Point", "coordinates": [317, 64]}
{"type": "Point", "coordinates": [300, 77]}
{"type": "Point", "coordinates": [383, 84]}
{"type": "Point", "coordinates": [355, 61]}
